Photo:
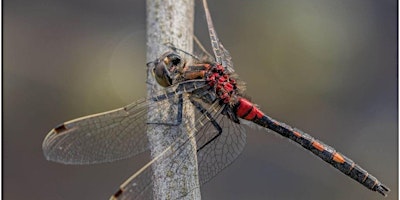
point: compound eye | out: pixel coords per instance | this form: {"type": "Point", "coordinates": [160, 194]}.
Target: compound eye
{"type": "Point", "coordinates": [175, 59]}
{"type": "Point", "coordinates": [162, 76]}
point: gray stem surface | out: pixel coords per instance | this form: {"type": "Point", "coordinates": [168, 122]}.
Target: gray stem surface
{"type": "Point", "coordinates": [171, 21]}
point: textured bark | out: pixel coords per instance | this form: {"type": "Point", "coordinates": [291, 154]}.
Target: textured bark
{"type": "Point", "coordinates": [171, 21]}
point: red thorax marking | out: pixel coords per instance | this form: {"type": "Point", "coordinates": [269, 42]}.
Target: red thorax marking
{"type": "Point", "coordinates": [224, 85]}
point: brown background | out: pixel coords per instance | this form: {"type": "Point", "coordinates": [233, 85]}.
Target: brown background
{"type": "Point", "coordinates": [326, 67]}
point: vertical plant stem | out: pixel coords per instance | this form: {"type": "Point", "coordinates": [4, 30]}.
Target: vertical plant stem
{"type": "Point", "coordinates": [171, 21]}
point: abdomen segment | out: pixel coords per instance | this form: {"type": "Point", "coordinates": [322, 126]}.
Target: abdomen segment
{"type": "Point", "coordinates": [246, 110]}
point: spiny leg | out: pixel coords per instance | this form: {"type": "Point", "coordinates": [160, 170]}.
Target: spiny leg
{"type": "Point", "coordinates": [201, 46]}
{"type": "Point", "coordinates": [206, 117]}
{"type": "Point", "coordinates": [176, 49]}
{"type": "Point", "coordinates": [210, 118]}
{"type": "Point", "coordinates": [180, 108]}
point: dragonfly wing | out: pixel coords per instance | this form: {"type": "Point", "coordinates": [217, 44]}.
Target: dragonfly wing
{"type": "Point", "coordinates": [141, 185]}
{"type": "Point", "coordinates": [109, 136]}
{"type": "Point", "coordinates": [226, 59]}
{"type": "Point", "coordinates": [174, 160]}
{"type": "Point", "coordinates": [222, 55]}
{"type": "Point", "coordinates": [212, 158]}
{"type": "Point", "coordinates": [223, 150]}
{"type": "Point", "coordinates": [98, 138]}
{"type": "Point", "coordinates": [138, 186]}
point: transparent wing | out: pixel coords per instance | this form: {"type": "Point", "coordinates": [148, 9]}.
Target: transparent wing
{"type": "Point", "coordinates": [222, 151]}
{"type": "Point", "coordinates": [140, 185]}
{"type": "Point", "coordinates": [212, 158]}
{"type": "Point", "coordinates": [103, 137]}
{"type": "Point", "coordinates": [222, 55]}
{"type": "Point", "coordinates": [107, 136]}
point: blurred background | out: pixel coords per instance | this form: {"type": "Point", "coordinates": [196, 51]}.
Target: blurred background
{"type": "Point", "coordinates": [326, 67]}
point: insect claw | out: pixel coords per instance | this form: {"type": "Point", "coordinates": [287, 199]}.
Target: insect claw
{"type": "Point", "coordinates": [170, 45]}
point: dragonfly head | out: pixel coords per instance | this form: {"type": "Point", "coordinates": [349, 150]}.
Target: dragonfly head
{"type": "Point", "coordinates": [167, 68]}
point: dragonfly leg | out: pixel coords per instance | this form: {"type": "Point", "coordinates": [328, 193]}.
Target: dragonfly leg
{"type": "Point", "coordinates": [202, 47]}
{"type": "Point", "coordinates": [176, 49]}
{"type": "Point", "coordinates": [179, 114]}
{"type": "Point", "coordinates": [184, 87]}
{"type": "Point", "coordinates": [212, 120]}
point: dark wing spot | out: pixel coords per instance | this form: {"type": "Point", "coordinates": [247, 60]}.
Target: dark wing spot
{"type": "Point", "coordinates": [61, 128]}
{"type": "Point", "coordinates": [118, 193]}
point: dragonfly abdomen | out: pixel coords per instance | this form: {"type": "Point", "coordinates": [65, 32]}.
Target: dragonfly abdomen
{"type": "Point", "coordinates": [247, 110]}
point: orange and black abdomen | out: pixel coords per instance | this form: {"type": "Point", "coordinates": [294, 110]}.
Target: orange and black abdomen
{"type": "Point", "coordinates": [246, 110]}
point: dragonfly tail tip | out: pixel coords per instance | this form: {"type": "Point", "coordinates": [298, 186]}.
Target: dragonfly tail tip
{"type": "Point", "coordinates": [382, 189]}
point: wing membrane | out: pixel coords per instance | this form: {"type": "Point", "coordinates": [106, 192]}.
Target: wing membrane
{"type": "Point", "coordinates": [222, 55]}
{"type": "Point", "coordinates": [221, 152]}
{"type": "Point", "coordinates": [108, 136]}
{"type": "Point", "coordinates": [103, 137]}
{"type": "Point", "coordinates": [212, 159]}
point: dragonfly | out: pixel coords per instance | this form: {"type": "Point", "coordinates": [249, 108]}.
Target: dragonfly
{"type": "Point", "coordinates": [213, 88]}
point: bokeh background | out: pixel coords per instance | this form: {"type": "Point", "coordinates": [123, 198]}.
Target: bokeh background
{"type": "Point", "coordinates": [326, 67]}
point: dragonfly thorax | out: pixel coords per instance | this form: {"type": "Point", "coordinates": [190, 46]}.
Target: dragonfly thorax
{"type": "Point", "coordinates": [224, 84]}
{"type": "Point", "coordinates": [170, 69]}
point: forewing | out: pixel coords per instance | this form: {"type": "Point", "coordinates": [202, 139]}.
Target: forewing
{"type": "Point", "coordinates": [98, 138]}
{"type": "Point", "coordinates": [112, 135]}
{"type": "Point", "coordinates": [222, 55]}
